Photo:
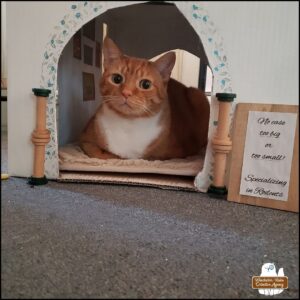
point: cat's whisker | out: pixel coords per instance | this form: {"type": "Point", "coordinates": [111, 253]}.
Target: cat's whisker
{"type": "Point", "coordinates": [137, 103]}
{"type": "Point", "coordinates": [142, 106]}
{"type": "Point", "coordinates": [106, 99]}
{"type": "Point", "coordinates": [142, 99]}
{"type": "Point", "coordinates": [109, 98]}
{"type": "Point", "coordinates": [147, 111]}
{"type": "Point", "coordinates": [155, 99]}
{"type": "Point", "coordinates": [138, 99]}
{"type": "Point", "coordinates": [134, 102]}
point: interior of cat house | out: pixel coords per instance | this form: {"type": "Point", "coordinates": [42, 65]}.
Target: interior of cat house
{"type": "Point", "coordinates": [147, 31]}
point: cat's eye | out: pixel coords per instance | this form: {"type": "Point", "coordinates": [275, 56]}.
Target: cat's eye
{"type": "Point", "coordinates": [117, 78]}
{"type": "Point", "coordinates": [145, 84]}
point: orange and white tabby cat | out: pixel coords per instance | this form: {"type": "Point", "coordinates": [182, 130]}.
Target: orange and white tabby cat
{"type": "Point", "coordinates": [144, 113]}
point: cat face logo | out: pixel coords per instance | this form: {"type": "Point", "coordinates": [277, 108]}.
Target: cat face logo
{"type": "Point", "coordinates": [268, 267]}
{"type": "Point", "coordinates": [270, 283]}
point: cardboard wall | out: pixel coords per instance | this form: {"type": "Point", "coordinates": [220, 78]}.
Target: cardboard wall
{"type": "Point", "coordinates": [261, 41]}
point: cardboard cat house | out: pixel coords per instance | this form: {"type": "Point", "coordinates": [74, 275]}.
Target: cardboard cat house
{"type": "Point", "coordinates": [45, 50]}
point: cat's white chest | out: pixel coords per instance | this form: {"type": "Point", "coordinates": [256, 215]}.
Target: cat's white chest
{"type": "Point", "coordinates": [128, 138]}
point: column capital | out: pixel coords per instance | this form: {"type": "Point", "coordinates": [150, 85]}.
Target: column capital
{"type": "Point", "coordinates": [41, 92]}
{"type": "Point", "coordinates": [225, 97]}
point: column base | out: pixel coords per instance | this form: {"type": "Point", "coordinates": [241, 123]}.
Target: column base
{"type": "Point", "coordinates": [217, 191]}
{"type": "Point", "coordinates": [37, 180]}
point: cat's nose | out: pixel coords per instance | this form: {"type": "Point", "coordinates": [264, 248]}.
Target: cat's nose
{"type": "Point", "coordinates": [126, 93]}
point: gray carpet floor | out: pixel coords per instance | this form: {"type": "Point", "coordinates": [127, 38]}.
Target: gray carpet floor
{"type": "Point", "coordinates": [66, 240]}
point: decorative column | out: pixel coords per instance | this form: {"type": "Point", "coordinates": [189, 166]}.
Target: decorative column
{"type": "Point", "coordinates": [221, 144]}
{"type": "Point", "coordinates": [40, 138]}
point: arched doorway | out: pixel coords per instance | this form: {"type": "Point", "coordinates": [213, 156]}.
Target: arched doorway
{"type": "Point", "coordinates": [81, 14]}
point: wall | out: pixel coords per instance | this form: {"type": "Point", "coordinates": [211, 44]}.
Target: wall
{"type": "Point", "coordinates": [3, 116]}
{"type": "Point", "coordinates": [3, 41]}
{"type": "Point", "coordinates": [74, 113]}
{"type": "Point", "coordinates": [3, 65]}
{"type": "Point", "coordinates": [186, 68]}
{"type": "Point", "coordinates": [25, 48]}
{"type": "Point", "coordinates": [155, 23]}
{"type": "Point", "coordinates": [261, 41]}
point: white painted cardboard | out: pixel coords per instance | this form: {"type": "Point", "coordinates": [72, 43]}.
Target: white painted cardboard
{"type": "Point", "coordinates": [257, 41]}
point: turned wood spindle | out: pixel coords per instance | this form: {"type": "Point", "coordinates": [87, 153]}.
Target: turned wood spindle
{"type": "Point", "coordinates": [40, 138]}
{"type": "Point", "coordinates": [221, 144]}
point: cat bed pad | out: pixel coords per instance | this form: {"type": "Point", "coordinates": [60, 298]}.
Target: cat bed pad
{"type": "Point", "coordinates": [72, 158]}
{"type": "Point", "coordinates": [169, 182]}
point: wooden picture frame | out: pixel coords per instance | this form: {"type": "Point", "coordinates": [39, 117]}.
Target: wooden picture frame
{"type": "Point", "coordinates": [98, 55]}
{"type": "Point", "coordinates": [88, 86]}
{"type": "Point", "coordinates": [237, 154]}
{"type": "Point", "coordinates": [88, 53]}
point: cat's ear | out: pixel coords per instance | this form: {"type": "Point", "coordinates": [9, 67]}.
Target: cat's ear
{"type": "Point", "coordinates": [111, 52]}
{"type": "Point", "coordinates": [165, 65]}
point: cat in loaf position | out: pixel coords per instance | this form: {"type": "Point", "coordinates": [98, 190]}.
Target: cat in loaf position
{"type": "Point", "coordinates": [145, 114]}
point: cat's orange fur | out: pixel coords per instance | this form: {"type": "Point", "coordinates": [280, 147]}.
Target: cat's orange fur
{"type": "Point", "coordinates": [184, 112]}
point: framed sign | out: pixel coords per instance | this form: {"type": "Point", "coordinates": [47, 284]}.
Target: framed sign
{"type": "Point", "coordinates": [264, 171]}
{"type": "Point", "coordinates": [88, 86]}
{"type": "Point", "coordinates": [88, 55]}
{"type": "Point", "coordinates": [98, 55]}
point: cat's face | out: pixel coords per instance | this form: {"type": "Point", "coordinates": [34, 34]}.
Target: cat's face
{"type": "Point", "coordinates": [134, 87]}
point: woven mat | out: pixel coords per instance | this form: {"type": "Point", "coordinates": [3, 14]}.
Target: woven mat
{"type": "Point", "coordinates": [72, 158]}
